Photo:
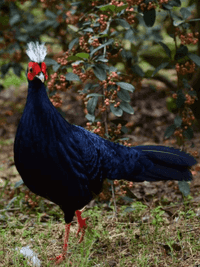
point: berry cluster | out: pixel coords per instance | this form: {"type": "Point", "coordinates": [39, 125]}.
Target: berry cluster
{"type": "Point", "coordinates": [83, 42]}
{"type": "Point", "coordinates": [95, 43]}
{"type": "Point", "coordinates": [83, 75]}
{"type": "Point", "coordinates": [148, 6]}
{"type": "Point", "coordinates": [187, 115]}
{"type": "Point", "coordinates": [51, 83]}
{"type": "Point", "coordinates": [100, 130]}
{"type": "Point", "coordinates": [187, 67]}
{"type": "Point", "coordinates": [31, 199]}
{"type": "Point", "coordinates": [103, 19]}
{"type": "Point", "coordinates": [129, 15]}
{"type": "Point", "coordinates": [72, 19]}
{"type": "Point", "coordinates": [187, 38]}
{"type": "Point", "coordinates": [189, 99]}
{"type": "Point", "coordinates": [56, 100]}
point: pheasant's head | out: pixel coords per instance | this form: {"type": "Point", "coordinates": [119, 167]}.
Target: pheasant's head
{"type": "Point", "coordinates": [36, 68]}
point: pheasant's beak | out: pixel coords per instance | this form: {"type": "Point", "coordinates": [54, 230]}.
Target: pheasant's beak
{"type": "Point", "coordinates": [40, 76]}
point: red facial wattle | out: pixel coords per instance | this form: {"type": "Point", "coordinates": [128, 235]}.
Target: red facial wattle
{"type": "Point", "coordinates": [34, 69]}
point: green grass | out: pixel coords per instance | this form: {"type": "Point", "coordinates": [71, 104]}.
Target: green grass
{"type": "Point", "coordinates": [129, 240]}
{"type": "Point", "coordinates": [11, 79]}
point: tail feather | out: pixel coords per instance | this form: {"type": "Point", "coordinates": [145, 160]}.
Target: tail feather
{"type": "Point", "coordinates": [167, 164]}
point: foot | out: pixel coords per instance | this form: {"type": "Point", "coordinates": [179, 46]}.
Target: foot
{"type": "Point", "coordinates": [59, 259]}
{"type": "Point", "coordinates": [62, 256]}
{"type": "Point", "coordinates": [81, 225]}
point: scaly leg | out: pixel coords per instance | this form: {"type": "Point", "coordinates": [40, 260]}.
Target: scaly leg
{"type": "Point", "coordinates": [62, 256]}
{"type": "Point", "coordinates": [81, 225]}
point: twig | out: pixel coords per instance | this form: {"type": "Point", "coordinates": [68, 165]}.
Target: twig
{"type": "Point", "coordinates": [9, 209]}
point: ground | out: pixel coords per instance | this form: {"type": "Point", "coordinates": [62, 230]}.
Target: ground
{"type": "Point", "coordinates": [157, 229]}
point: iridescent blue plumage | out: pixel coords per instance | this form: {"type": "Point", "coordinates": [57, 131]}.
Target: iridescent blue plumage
{"type": "Point", "coordinates": [67, 164]}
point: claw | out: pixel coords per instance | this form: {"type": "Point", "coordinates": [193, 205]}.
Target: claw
{"type": "Point", "coordinates": [81, 225]}
{"type": "Point", "coordinates": [58, 259]}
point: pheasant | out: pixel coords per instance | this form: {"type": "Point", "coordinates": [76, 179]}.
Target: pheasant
{"type": "Point", "coordinates": [67, 164]}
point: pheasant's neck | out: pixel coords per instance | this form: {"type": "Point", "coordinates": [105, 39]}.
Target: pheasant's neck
{"type": "Point", "coordinates": [37, 94]}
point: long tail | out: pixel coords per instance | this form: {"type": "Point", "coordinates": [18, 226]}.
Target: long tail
{"type": "Point", "coordinates": [163, 163]}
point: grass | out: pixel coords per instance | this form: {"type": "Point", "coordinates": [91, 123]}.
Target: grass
{"type": "Point", "coordinates": [153, 234]}
{"type": "Point", "coordinates": [12, 79]}
{"type": "Point", "coordinates": [140, 236]}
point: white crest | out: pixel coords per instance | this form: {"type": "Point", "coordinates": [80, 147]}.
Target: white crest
{"type": "Point", "coordinates": [36, 52]}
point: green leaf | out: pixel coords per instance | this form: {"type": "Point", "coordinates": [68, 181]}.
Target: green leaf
{"type": "Point", "coordinates": [101, 59]}
{"type": "Point", "coordinates": [101, 46]}
{"type": "Point", "coordinates": [186, 85]}
{"type": "Point", "coordinates": [171, 4]}
{"type": "Point", "coordinates": [83, 55]}
{"type": "Point", "coordinates": [90, 117]}
{"type": "Point", "coordinates": [171, 104]}
{"type": "Point", "coordinates": [137, 70]}
{"type": "Point", "coordinates": [126, 86]}
{"type": "Point", "coordinates": [22, 38]}
{"type": "Point", "coordinates": [108, 8]}
{"type": "Point", "coordinates": [185, 12]}
{"type": "Point", "coordinates": [180, 99]}
{"type": "Point", "coordinates": [149, 17]}
{"type": "Point", "coordinates": [91, 105]}
{"type": "Point", "coordinates": [194, 20]}
{"type": "Point", "coordinates": [73, 42]}
{"type": "Point", "coordinates": [14, 19]}
{"type": "Point", "coordinates": [188, 133]}
{"type": "Point", "coordinates": [73, 58]}
{"type": "Point", "coordinates": [120, 8]}
{"type": "Point", "coordinates": [73, 28]}
{"type": "Point", "coordinates": [116, 111]}
{"type": "Point", "coordinates": [125, 130]}
{"type": "Point", "coordinates": [124, 95]}
{"type": "Point", "coordinates": [169, 131]}
{"type": "Point", "coordinates": [72, 77]}
{"type": "Point", "coordinates": [56, 67]}
{"type": "Point", "coordinates": [50, 14]}
{"type": "Point", "coordinates": [161, 66]}
{"type": "Point", "coordinates": [177, 23]}
{"type": "Point", "coordinates": [194, 58]}
{"type": "Point", "coordinates": [99, 73]}
{"type": "Point", "coordinates": [178, 121]}
{"type": "Point", "coordinates": [89, 29]}
{"type": "Point", "coordinates": [18, 183]}
{"type": "Point", "coordinates": [5, 69]}
{"type": "Point", "coordinates": [50, 61]}
{"type": "Point", "coordinates": [192, 93]}
{"type": "Point", "coordinates": [123, 23]}
{"type": "Point", "coordinates": [93, 94]}
{"type": "Point", "coordinates": [166, 48]}
{"type": "Point", "coordinates": [126, 107]}
{"type": "Point", "coordinates": [149, 73]}
{"type": "Point", "coordinates": [177, 20]}
{"type": "Point", "coordinates": [175, 3]}
{"type": "Point", "coordinates": [17, 68]}
{"type": "Point", "coordinates": [181, 52]}
{"type": "Point", "coordinates": [129, 35]}
{"type": "Point", "coordinates": [129, 209]}
{"type": "Point", "coordinates": [184, 188]}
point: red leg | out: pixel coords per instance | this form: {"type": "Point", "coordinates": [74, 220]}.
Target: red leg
{"type": "Point", "coordinates": [62, 256]}
{"type": "Point", "coordinates": [81, 225]}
